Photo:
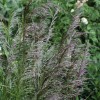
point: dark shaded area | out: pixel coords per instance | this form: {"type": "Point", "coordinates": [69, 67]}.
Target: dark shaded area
{"type": "Point", "coordinates": [91, 3]}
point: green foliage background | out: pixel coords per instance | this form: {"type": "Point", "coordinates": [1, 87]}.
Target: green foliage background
{"type": "Point", "coordinates": [92, 12]}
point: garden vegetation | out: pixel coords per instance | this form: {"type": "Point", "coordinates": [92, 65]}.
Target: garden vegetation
{"type": "Point", "coordinates": [49, 49]}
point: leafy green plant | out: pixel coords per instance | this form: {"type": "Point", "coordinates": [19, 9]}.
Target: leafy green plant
{"type": "Point", "coordinates": [92, 87]}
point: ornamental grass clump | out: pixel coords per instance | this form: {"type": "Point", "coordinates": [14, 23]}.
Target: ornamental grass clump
{"type": "Point", "coordinates": [34, 66]}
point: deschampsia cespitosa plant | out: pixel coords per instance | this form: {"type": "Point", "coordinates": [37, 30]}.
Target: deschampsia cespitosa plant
{"type": "Point", "coordinates": [33, 66]}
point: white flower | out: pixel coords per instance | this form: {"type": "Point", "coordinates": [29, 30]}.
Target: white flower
{"type": "Point", "coordinates": [0, 49]}
{"type": "Point", "coordinates": [72, 10]}
{"type": "Point", "coordinates": [84, 20]}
